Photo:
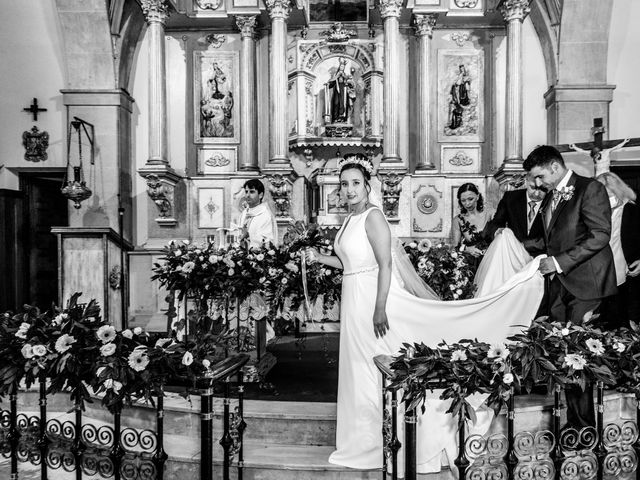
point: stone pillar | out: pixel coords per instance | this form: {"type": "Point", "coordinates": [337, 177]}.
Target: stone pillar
{"type": "Point", "coordinates": [514, 13]}
{"type": "Point", "coordinates": [160, 177]}
{"type": "Point", "coordinates": [572, 108]}
{"type": "Point", "coordinates": [110, 113]}
{"type": "Point", "coordinates": [390, 13]}
{"type": "Point", "coordinates": [248, 116]}
{"type": "Point", "coordinates": [279, 11]}
{"type": "Point", "coordinates": [155, 12]}
{"type": "Point", "coordinates": [423, 25]}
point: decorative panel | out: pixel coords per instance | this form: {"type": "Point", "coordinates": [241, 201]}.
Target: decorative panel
{"type": "Point", "coordinates": [460, 158]}
{"type": "Point", "coordinates": [428, 207]}
{"type": "Point", "coordinates": [216, 108]}
{"type": "Point", "coordinates": [210, 207]}
{"type": "Point", "coordinates": [460, 95]}
{"type": "Point", "coordinates": [216, 160]}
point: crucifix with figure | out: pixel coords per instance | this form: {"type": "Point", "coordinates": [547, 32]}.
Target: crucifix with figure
{"type": "Point", "coordinates": [599, 150]}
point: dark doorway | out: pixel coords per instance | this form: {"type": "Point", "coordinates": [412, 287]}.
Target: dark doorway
{"type": "Point", "coordinates": [45, 207]}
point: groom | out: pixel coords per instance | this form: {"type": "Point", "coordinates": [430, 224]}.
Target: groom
{"type": "Point", "coordinates": [577, 227]}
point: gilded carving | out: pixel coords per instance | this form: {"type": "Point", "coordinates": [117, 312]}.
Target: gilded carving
{"type": "Point", "coordinates": [161, 193]}
{"type": "Point", "coordinates": [155, 10]}
{"type": "Point", "coordinates": [437, 228]}
{"type": "Point", "coordinates": [337, 33]}
{"type": "Point", "coordinates": [280, 189]}
{"type": "Point", "coordinates": [115, 277]}
{"type": "Point", "coordinates": [391, 189]}
{"type": "Point", "coordinates": [461, 159]}
{"type": "Point", "coordinates": [466, 3]}
{"type": "Point", "coordinates": [460, 38]}
{"type": "Point", "coordinates": [514, 9]}
{"type": "Point", "coordinates": [427, 203]}
{"type": "Point", "coordinates": [278, 8]}
{"type": "Point", "coordinates": [247, 25]}
{"type": "Point", "coordinates": [217, 160]}
{"type": "Point", "coordinates": [424, 25]}
{"type": "Point", "coordinates": [215, 40]}
{"type": "Point", "coordinates": [390, 8]}
{"type": "Point", "coordinates": [209, 4]}
{"type": "Point", "coordinates": [35, 143]}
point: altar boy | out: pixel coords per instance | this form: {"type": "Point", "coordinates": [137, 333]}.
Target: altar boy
{"type": "Point", "coordinates": [257, 220]}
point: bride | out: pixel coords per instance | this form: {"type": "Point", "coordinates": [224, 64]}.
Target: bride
{"type": "Point", "coordinates": [384, 303]}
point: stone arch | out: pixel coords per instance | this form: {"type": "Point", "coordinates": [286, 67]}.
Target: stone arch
{"type": "Point", "coordinates": [543, 25]}
{"type": "Point", "coordinates": [88, 51]}
{"type": "Point", "coordinates": [583, 42]}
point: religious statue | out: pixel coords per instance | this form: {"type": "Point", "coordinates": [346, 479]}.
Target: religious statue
{"type": "Point", "coordinates": [601, 157]}
{"type": "Point", "coordinates": [340, 94]}
{"type": "Point", "coordinates": [459, 97]}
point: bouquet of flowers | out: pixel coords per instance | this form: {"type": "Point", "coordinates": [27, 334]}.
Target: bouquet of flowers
{"type": "Point", "coordinates": [443, 268]}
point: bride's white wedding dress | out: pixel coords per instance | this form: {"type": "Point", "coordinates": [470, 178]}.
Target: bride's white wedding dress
{"type": "Point", "coordinates": [491, 317]}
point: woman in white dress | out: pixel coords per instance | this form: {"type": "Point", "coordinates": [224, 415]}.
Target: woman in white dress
{"type": "Point", "coordinates": [378, 313]}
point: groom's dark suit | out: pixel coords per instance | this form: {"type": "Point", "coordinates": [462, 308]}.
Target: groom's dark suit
{"type": "Point", "coordinates": [512, 212]}
{"type": "Point", "coordinates": [576, 234]}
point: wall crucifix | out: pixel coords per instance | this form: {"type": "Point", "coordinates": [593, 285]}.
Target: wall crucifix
{"type": "Point", "coordinates": [34, 109]}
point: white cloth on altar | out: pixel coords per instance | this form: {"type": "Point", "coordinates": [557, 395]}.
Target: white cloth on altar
{"type": "Point", "coordinates": [260, 224]}
{"type": "Point", "coordinates": [489, 318]}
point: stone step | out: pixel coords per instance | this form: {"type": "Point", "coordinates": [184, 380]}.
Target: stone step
{"type": "Point", "coordinates": [299, 423]}
{"type": "Point", "coordinates": [285, 462]}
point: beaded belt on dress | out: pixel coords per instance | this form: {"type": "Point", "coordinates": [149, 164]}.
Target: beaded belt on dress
{"type": "Point", "coordinates": [364, 270]}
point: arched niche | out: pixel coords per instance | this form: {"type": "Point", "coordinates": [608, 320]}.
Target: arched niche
{"type": "Point", "coordinates": [312, 64]}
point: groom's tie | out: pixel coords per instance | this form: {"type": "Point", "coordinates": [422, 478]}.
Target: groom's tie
{"type": "Point", "coordinates": [532, 211]}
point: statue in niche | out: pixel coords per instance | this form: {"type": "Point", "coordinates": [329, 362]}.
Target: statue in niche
{"type": "Point", "coordinates": [340, 94]}
{"type": "Point", "coordinates": [459, 97]}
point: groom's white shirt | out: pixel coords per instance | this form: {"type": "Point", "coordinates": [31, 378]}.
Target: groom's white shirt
{"type": "Point", "coordinates": [560, 186]}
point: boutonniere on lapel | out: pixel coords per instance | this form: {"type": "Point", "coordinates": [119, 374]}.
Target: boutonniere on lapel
{"type": "Point", "coordinates": [565, 193]}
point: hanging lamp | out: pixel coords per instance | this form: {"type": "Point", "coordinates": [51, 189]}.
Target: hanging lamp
{"type": "Point", "coordinates": [76, 190]}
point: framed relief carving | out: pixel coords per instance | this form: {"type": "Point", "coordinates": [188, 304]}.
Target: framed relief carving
{"type": "Point", "coordinates": [216, 160]}
{"type": "Point", "coordinates": [427, 207]}
{"type": "Point", "coordinates": [216, 108]}
{"type": "Point", "coordinates": [210, 207]}
{"type": "Point", "coordinates": [460, 95]}
{"type": "Point", "coordinates": [460, 158]}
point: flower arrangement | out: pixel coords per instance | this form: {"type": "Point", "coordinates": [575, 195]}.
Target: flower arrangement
{"type": "Point", "coordinates": [443, 268]}
{"type": "Point", "coordinates": [547, 353]}
{"type": "Point", "coordinates": [82, 354]}
{"type": "Point", "coordinates": [206, 273]}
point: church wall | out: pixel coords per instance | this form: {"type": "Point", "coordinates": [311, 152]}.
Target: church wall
{"type": "Point", "coordinates": [33, 66]}
{"type": "Point", "coordinates": [623, 69]}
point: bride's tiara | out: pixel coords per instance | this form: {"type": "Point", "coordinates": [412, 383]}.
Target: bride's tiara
{"type": "Point", "coordinates": [356, 159]}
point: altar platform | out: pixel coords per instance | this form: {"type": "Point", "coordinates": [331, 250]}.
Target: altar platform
{"type": "Point", "coordinates": [290, 429]}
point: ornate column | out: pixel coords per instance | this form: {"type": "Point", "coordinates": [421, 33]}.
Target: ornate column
{"type": "Point", "coordinates": [248, 100]}
{"type": "Point", "coordinates": [279, 11]}
{"type": "Point", "coordinates": [161, 178]}
{"type": "Point", "coordinates": [155, 12]}
{"type": "Point", "coordinates": [514, 13]}
{"type": "Point", "coordinates": [423, 25]}
{"type": "Point", "coordinates": [390, 13]}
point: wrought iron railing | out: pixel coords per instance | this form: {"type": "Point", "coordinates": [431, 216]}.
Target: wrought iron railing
{"type": "Point", "coordinates": [111, 451]}
{"type": "Point", "coordinates": [592, 453]}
